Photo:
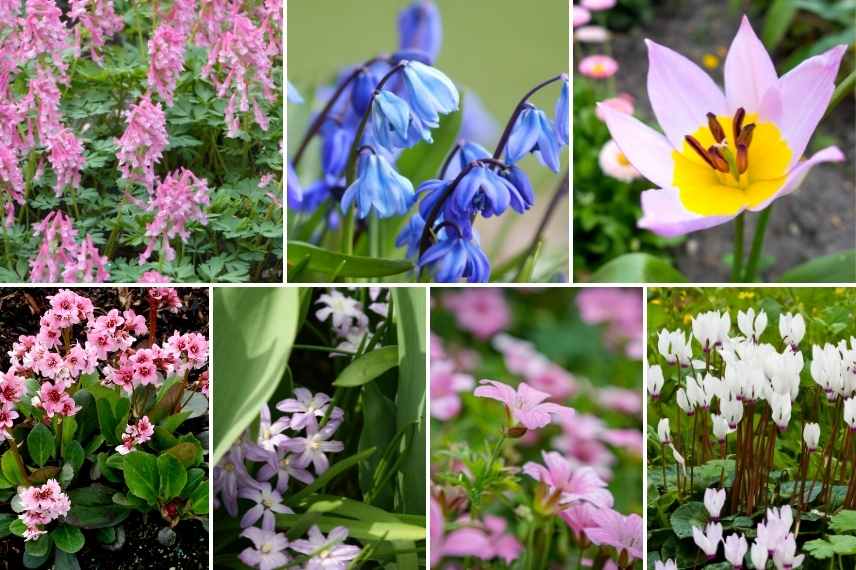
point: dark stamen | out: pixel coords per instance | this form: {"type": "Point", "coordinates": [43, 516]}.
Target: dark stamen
{"type": "Point", "coordinates": [696, 146]}
{"type": "Point", "coordinates": [738, 121]}
{"type": "Point", "coordinates": [715, 128]}
{"type": "Point", "coordinates": [718, 160]}
{"type": "Point", "coordinates": [745, 137]}
{"type": "Point", "coordinates": [742, 158]}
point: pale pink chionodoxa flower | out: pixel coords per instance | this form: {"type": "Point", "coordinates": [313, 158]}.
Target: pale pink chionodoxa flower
{"type": "Point", "coordinates": [59, 254]}
{"type": "Point", "coordinates": [724, 153]}
{"type": "Point", "coordinates": [42, 505]}
{"type": "Point", "coordinates": [177, 201]}
{"type": "Point", "coordinates": [143, 142]}
{"type": "Point", "coordinates": [525, 405]}
{"type": "Point", "coordinates": [99, 19]}
{"type": "Point", "coordinates": [239, 65]}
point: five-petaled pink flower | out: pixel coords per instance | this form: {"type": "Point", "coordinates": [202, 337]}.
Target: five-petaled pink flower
{"type": "Point", "coordinates": [568, 485]}
{"type": "Point", "coordinates": [724, 153]}
{"type": "Point", "coordinates": [623, 533]}
{"type": "Point", "coordinates": [526, 405]}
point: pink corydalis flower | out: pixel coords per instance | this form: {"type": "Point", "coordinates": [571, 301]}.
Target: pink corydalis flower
{"type": "Point", "coordinates": [180, 199]}
{"type": "Point", "coordinates": [567, 485]}
{"type": "Point", "coordinates": [97, 17]}
{"type": "Point", "coordinates": [166, 60]}
{"type": "Point", "coordinates": [724, 153]}
{"type": "Point", "coordinates": [136, 434]}
{"type": "Point", "coordinates": [525, 405]}
{"type": "Point", "coordinates": [11, 179]}
{"type": "Point", "coordinates": [623, 533]}
{"type": "Point", "coordinates": [143, 142]}
{"type": "Point", "coordinates": [43, 32]}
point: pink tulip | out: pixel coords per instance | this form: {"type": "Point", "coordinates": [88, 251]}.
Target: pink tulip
{"type": "Point", "coordinates": [724, 153]}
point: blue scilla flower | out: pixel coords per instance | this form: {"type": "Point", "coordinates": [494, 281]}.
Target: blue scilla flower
{"type": "Point", "coordinates": [429, 92]}
{"type": "Point", "coordinates": [562, 120]}
{"type": "Point", "coordinates": [312, 196]}
{"type": "Point", "coordinates": [411, 235]}
{"type": "Point", "coordinates": [392, 125]}
{"type": "Point", "coordinates": [523, 199]}
{"type": "Point", "coordinates": [336, 141]}
{"type": "Point", "coordinates": [293, 94]}
{"type": "Point", "coordinates": [294, 191]}
{"type": "Point", "coordinates": [378, 186]}
{"type": "Point", "coordinates": [420, 27]}
{"type": "Point", "coordinates": [465, 153]}
{"type": "Point", "coordinates": [456, 256]}
{"type": "Point", "coordinates": [362, 89]}
{"type": "Point", "coordinates": [484, 191]}
{"type": "Point", "coordinates": [533, 132]}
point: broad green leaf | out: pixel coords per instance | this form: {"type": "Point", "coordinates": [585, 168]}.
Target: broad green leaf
{"type": "Point", "coordinates": [141, 475]}
{"type": "Point", "coordinates": [199, 500]}
{"type": "Point", "coordinates": [121, 412]}
{"type": "Point", "coordinates": [11, 470]}
{"type": "Point", "coordinates": [254, 331]}
{"type": "Point", "coordinates": [107, 420]}
{"type": "Point", "coordinates": [843, 521]}
{"type": "Point", "coordinates": [65, 561]}
{"type": "Point", "coordinates": [187, 453]}
{"type": "Point", "coordinates": [341, 265]}
{"type": "Point", "coordinates": [637, 268]}
{"type": "Point", "coordinates": [172, 476]}
{"type": "Point", "coordinates": [334, 470]}
{"type": "Point", "coordinates": [777, 22]}
{"type": "Point", "coordinates": [69, 429]}
{"type": "Point", "coordinates": [93, 507]}
{"type": "Point", "coordinates": [5, 520]}
{"type": "Point", "coordinates": [31, 561]}
{"type": "Point", "coordinates": [843, 544]}
{"type": "Point", "coordinates": [173, 422]}
{"type": "Point", "coordinates": [41, 444]}
{"type": "Point", "coordinates": [168, 399]}
{"type": "Point", "coordinates": [410, 310]}
{"type": "Point", "coordinates": [40, 547]}
{"type": "Point", "coordinates": [17, 527]}
{"type": "Point", "coordinates": [834, 268]}
{"type": "Point", "coordinates": [68, 538]}
{"type": "Point", "coordinates": [74, 455]}
{"type": "Point", "coordinates": [368, 367]}
{"type": "Point", "coordinates": [195, 477]}
{"type": "Point", "coordinates": [688, 515]}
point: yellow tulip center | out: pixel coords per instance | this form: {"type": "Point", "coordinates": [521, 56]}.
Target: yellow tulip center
{"type": "Point", "coordinates": [730, 164]}
{"type": "Point", "coordinates": [622, 160]}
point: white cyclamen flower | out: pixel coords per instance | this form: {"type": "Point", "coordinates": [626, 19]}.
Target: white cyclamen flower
{"type": "Point", "coordinates": [721, 429]}
{"type": "Point", "coordinates": [667, 565]}
{"type": "Point", "coordinates": [674, 347]}
{"type": "Point", "coordinates": [827, 370]}
{"type": "Point", "coordinates": [732, 411]}
{"type": "Point", "coordinates": [663, 432]}
{"type": "Point", "coordinates": [735, 549]}
{"type": "Point", "coordinates": [758, 553]}
{"type": "Point", "coordinates": [751, 326]}
{"type": "Point", "coordinates": [708, 540]}
{"type": "Point", "coordinates": [714, 500]}
{"type": "Point", "coordinates": [792, 329]}
{"type": "Point", "coordinates": [685, 403]}
{"type": "Point", "coordinates": [811, 436]}
{"type": "Point", "coordinates": [850, 413]}
{"type": "Point", "coordinates": [655, 381]}
{"type": "Point", "coordinates": [709, 329]}
{"type": "Point", "coordinates": [785, 556]}
{"type": "Point", "coordinates": [780, 404]}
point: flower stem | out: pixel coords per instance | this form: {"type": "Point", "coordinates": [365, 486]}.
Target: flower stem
{"type": "Point", "coordinates": [737, 262]}
{"type": "Point", "coordinates": [558, 194]}
{"type": "Point", "coordinates": [844, 88]}
{"type": "Point", "coordinates": [757, 244]}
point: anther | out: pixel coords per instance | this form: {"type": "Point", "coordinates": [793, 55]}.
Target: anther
{"type": "Point", "coordinates": [742, 158]}
{"type": "Point", "coordinates": [696, 146]}
{"type": "Point", "coordinates": [715, 128]}
{"type": "Point", "coordinates": [718, 160]}
{"type": "Point", "coordinates": [738, 121]}
{"type": "Point", "coordinates": [745, 137]}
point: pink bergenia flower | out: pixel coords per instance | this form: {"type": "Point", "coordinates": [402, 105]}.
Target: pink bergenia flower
{"type": "Point", "coordinates": [54, 400]}
{"type": "Point", "coordinates": [268, 551]}
{"type": "Point", "coordinates": [166, 60]}
{"type": "Point", "coordinates": [98, 18]}
{"type": "Point", "coordinates": [41, 505]}
{"type": "Point", "coordinates": [724, 153]}
{"type": "Point", "coordinates": [7, 418]}
{"type": "Point", "coordinates": [482, 312]}
{"type": "Point", "coordinates": [623, 533]}
{"type": "Point", "coordinates": [12, 388]}
{"type": "Point", "coordinates": [180, 199]}
{"type": "Point", "coordinates": [135, 434]}
{"type": "Point", "coordinates": [598, 66]}
{"type": "Point", "coordinates": [526, 405]}
{"type": "Point", "coordinates": [328, 552]}
{"type": "Point", "coordinates": [143, 142]}
{"type": "Point", "coordinates": [446, 383]}
{"type": "Point", "coordinates": [568, 485]}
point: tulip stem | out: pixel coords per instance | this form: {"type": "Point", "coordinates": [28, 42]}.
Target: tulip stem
{"type": "Point", "coordinates": [846, 87]}
{"type": "Point", "coordinates": [737, 262]}
{"type": "Point", "coordinates": [757, 244]}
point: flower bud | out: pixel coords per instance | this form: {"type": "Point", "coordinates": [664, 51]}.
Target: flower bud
{"type": "Point", "coordinates": [655, 381]}
{"type": "Point", "coordinates": [811, 436]}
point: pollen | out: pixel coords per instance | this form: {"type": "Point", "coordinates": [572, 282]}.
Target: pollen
{"type": "Point", "coordinates": [729, 164]}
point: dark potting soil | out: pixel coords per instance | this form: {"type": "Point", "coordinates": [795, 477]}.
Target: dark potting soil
{"type": "Point", "coordinates": [818, 219]}
{"type": "Point", "coordinates": [142, 551]}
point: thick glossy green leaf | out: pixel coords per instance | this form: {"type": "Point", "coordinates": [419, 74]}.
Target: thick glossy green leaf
{"type": "Point", "coordinates": [39, 547]}
{"type": "Point", "coordinates": [11, 470]}
{"type": "Point", "coordinates": [107, 420]}
{"type": "Point", "coordinates": [637, 268]}
{"type": "Point", "coordinates": [687, 516]}
{"type": "Point", "coordinates": [368, 367]}
{"type": "Point", "coordinates": [254, 331]}
{"type": "Point", "coordinates": [93, 507]}
{"type": "Point", "coordinates": [168, 397]}
{"type": "Point", "coordinates": [187, 453]}
{"type": "Point", "coordinates": [834, 268]}
{"type": "Point", "coordinates": [17, 527]}
{"type": "Point", "coordinates": [141, 475]}
{"type": "Point", "coordinates": [68, 538]}
{"type": "Point", "coordinates": [65, 561]}
{"type": "Point", "coordinates": [410, 308]}
{"type": "Point", "coordinates": [338, 264]}
{"type": "Point", "coordinates": [173, 422]}
{"type": "Point", "coordinates": [172, 476]}
{"type": "Point", "coordinates": [41, 444]}
{"type": "Point", "coordinates": [5, 520]}
{"type": "Point", "coordinates": [199, 500]}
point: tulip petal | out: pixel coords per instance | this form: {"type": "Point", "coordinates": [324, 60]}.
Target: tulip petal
{"type": "Point", "coordinates": [664, 214]}
{"type": "Point", "coordinates": [749, 71]}
{"type": "Point", "coordinates": [646, 149]}
{"type": "Point", "coordinates": [805, 92]}
{"type": "Point", "coordinates": [798, 174]}
{"type": "Point", "coordinates": [681, 93]}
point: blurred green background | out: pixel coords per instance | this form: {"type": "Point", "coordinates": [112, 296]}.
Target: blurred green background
{"type": "Point", "coordinates": [497, 48]}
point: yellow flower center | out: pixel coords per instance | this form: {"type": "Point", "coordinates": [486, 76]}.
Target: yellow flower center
{"type": "Point", "coordinates": [716, 176]}
{"type": "Point", "coordinates": [622, 160]}
{"type": "Point", "coordinates": [266, 548]}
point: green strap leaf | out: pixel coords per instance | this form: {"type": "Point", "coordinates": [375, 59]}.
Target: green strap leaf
{"type": "Point", "coordinates": [334, 470]}
{"type": "Point", "coordinates": [368, 367]}
{"type": "Point", "coordinates": [834, 268]}
{"type": "Point", "coordinates": [334, 263]}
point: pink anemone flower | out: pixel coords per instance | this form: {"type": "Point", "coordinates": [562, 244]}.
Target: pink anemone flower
{"type": "Point", "coordinates": [526, 405]}
{"type": "Point", "coordinates": [724, 153]}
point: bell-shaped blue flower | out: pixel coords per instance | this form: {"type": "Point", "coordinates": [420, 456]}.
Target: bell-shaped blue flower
{"type": "Point", "coordinates": [523, 199]}
{"type": "Point", "coordinates": [533, 132]}
{"type": "Point", "coordinates": [420, 27]}
{"type": "Point", "coordinates": [484, 191]}
{"type": "Point", "coordinates": [562, 118]}
{"type": "Point", "coordinates": [392, 124]}
{"type": "Point", "coordinates": [336, 141]}
{"type": "Point", "coordinates": [293, 189]}
{"type": "Point", "coordinates": [456, 256]}
{"type": "Point", "coordinates": [429, 92]}
{"type": "Point", "coordinates": [378, 186]}
{"type": "Point", "coordinates": [293, 94]}
{"type": "Point", "coordinates": [465, 153]}
{"type": "Point", "coordinates": [411, 235]}
{"type": "Point", "coordinates": [361, 90]}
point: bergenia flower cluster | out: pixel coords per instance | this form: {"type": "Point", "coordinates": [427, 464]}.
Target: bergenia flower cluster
{"type": "Point", "coordinates": [388, 104]}
{"type": "Point", "coordinates": [135, 434]}
{"type": "Point", "coordinates": [41, 506]}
